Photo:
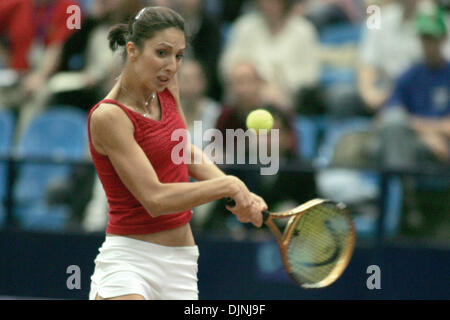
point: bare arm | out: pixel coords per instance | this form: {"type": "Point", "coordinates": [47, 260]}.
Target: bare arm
{"type": "Point", "coordinates": [49, 65]}
{"type": "Point", "coordinates": [51, 60]}
{"type": "Point", "coordinates": [374, 97]}
{"type": "Point", "coordinates": [435, 133]}
{"type": "Point", "coordinates": [427, 125]}
{"type": "Point", "coordinates": [112, 135]}
{"type": "Point", "coordinates": [200, 167]}
{"type": "Point", "coordinates": [205, 170]}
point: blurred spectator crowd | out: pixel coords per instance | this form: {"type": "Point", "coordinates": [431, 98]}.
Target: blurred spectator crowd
{"type": "Point", "coordinates": [352, 85]}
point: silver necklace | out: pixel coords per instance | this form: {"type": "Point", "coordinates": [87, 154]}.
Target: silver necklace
{"type": "Point", "coordinates": [149, 100]}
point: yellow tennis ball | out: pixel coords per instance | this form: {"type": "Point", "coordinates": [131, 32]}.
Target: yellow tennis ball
{"type": "Point", "coordinates": [259, 119]}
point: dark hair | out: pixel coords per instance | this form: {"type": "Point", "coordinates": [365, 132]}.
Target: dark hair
{"type": "Point", "coordinates": [147, 22]}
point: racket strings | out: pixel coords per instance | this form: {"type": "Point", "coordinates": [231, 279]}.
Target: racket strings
{"type": "Point", "coordinates": [306, 258]}
{"type": "Point", "coordinates": [316, 245]}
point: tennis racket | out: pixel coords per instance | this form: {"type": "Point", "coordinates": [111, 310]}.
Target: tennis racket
{"type": "Point", "coordinates": [317, 243]}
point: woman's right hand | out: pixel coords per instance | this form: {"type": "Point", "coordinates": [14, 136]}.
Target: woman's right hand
{"type": "Point", "coordinates": [246, 208]}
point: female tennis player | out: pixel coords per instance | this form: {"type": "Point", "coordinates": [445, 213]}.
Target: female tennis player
{"type": "Point", "coordinates": [149, 251]}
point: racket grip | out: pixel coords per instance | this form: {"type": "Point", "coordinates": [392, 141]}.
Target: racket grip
{"type": "Point", "coordinates": [230, 202]}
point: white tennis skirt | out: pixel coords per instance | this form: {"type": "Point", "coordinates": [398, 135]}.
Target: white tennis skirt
{"type": "Point", "coordinates": [129, 266]}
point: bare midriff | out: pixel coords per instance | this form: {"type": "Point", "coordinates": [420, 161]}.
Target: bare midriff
{"type": "Point", "coordinates": [177, 237]}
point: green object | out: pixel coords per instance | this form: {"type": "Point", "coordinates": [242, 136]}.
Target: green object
{"type": "Point", "coordinates": [430, 21]}
{"type": "Point", "coordinates": [259, 119]}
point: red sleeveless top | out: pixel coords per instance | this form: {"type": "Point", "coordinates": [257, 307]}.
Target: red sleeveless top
{"type": "Point", "coordinates": [126, 215]}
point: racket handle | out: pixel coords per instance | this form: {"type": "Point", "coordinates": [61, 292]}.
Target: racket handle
{"type": "Point", "coordinates": [230, 202]}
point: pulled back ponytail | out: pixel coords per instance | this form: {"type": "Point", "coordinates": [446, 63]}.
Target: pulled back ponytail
{"type": "Point", "coordinates": [117, 36]}
{"type": "Point", "coordinates": [144, 26]}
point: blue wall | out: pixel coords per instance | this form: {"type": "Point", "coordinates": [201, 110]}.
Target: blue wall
{"type": "Point", "coordinates": [34, 265]}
